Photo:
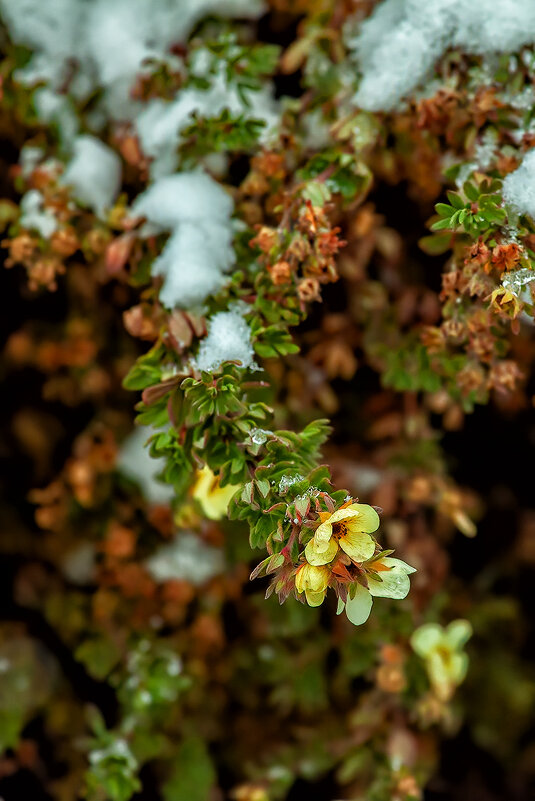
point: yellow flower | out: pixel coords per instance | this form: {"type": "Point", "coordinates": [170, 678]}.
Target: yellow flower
{"type": "Point", "coordinates": [313, 581]}
{"type": "Point", "coordinates": [391, 581]}
{"type": "Point", "coordinates": [213, 499]}
{"type": "Point", "coordinates": [442, 651]}
{"type": "Point", "coordinates": [348, 528]}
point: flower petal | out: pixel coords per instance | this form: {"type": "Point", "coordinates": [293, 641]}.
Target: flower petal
{"type": "Point", "coordinates": [358, 545]}
{"type": "Point", "coordinates": [426, 638]}
{"type": "Point", "coordinates": [300, 578]}
{"type": "Point", "coordinates": [323, 534]}
{"type": "Point", "coordinates": [392, 561]}
{"type": "Point", "coordinates": [359, 607]}
{"type": "Point", "coordinates": [318, 578]}
{"type": "Point", "coordinates": [446, 673]}
{"type": "Point", "coordinates": [311, 577]}
{"type": "Point", "coordinates": [393, 585]}
{"type": "Point", "coordinates": [320, 557]}
{"type": "Point", "coordinates": [343, 514]}
{"type": "Point", "coordinates": [395, 582]}
{"type": "Point", "coordinates": [458, 632]}
{"type": "Point", "coordinates": [314, 598]}
{"type": "Point", "coordinates": [367, 517]}
{"type": "Point", "coordinates": [439, 674]}
{"type": "Point", "coordinates": [459, 667]}
{"type": "Point", "coordinates": [213, 498]}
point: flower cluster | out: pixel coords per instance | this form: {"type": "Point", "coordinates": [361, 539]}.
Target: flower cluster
{"type": "Point", "coordinates": [343, 554]}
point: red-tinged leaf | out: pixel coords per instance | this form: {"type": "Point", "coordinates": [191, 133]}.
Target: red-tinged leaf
{"type": "Point", "coordinates": [263, 486]}
{"type": "Point", "coordinates": [259, 569]}
{"type": "Point", "coordinates": [275, 506]}
{"type": "Point", "coordinates": [153, 394]}
{"type": "Point", "coordinates": [275, 561]}
{"type": "Point", "coordinates": [302, 506]}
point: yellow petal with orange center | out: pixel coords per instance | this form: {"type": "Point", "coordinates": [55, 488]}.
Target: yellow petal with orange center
{"type": "Point", "coordinates": [324, 531]}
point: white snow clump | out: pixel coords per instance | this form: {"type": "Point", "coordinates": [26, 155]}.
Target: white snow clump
{"type": "Point", "coordinates": [398, 45]}
{"type": "Point", "coordinates": [89, 45]}
{"type": "Point", "coordinates": [186, 558]}
{"type": "Point", "coordinates": [519, 186]}
{"type": "Point", "coordinates": [160, 123]}
{"type": "Point", "coordinates": [108, 41]}
{"type": "Point", "coordinates": [35, 216]}
{"type": "Point", "coordinates": [229, 339]}
{"type": "Point", "coordinates": [94, 173]}
{"type": "Point", "coordinates": [197, 211]}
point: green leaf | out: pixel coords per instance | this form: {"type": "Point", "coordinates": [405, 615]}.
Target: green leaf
{"type": "Point", "coordinates": [141, 376]}
{"type": "Point", "coordinates": [440, 225]}
{"type": "Point", "coordinates": [193, 774]}
{"type": "Point", "coordinates": [263, 486]}
{"type": "Point", "coordinates": [470, 191]}
{"type": "Point", "coordinates": [274, 562]}
{"type": "Point", "coordinates": [455, 200]}
{"type": "Point", "coordinates": [247, 493]}
{"type": "Point", "coordinates": [261, 529]}
{"type": "Point", "coordinates": [435, 245]}
{"type": "Point", "coordinates": [444, 210]}
{"type": "Point", "coordinates": [318, 193]}
{"type": "Point", "coordinates": [99, 655]}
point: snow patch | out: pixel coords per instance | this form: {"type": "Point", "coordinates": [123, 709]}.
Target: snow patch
{"type": "Point", "coordinates": [187, 558]}
{"type": "Point", "coordinates": [517, 282]}
{"type": "Point", "coordinates": [109, 41]}
{"type": "Point", "coordinates": [519, 186]}
{"type": "Point", "coordinates": [229, 339]}
{"type": "Point", "coordinates": [398, 45]}
{"type": "Point", "coordinates": [196, 210]}
{"type": "Point", "coordinates": [160, 124]}
{"type": "Point", "coordinates": [35, 216]}
{"type": "Point", "coordinates": [94, 174]}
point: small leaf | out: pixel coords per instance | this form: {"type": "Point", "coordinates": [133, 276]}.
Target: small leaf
{"type": "Point", "coordinates": [263, 486]}
{"type": "Point", "coordinates": [456, 200]}
{"type": "Point", "coordinates": [248, 493]}
{"type": "Point", "coordinates": [444, 210]}
{"type": "Point", "coordinates": [470, 191]}
{"type": "Point", "coordinates": [440, 225]}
